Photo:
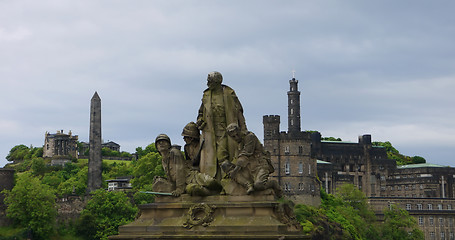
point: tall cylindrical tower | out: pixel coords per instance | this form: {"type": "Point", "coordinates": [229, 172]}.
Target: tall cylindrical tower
{"type": "Point", "coordinates": [293, 107]}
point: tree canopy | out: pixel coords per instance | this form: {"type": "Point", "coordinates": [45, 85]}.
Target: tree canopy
{"type": "Point", "coordinates": [32, 205]}
{"type": "Point", "coordinates": [104, 213]}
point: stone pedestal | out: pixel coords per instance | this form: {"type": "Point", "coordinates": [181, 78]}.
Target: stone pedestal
{"type": "Point", "coordinates": [213, 217]}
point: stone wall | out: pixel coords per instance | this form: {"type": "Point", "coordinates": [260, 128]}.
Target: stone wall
{"type": "Point", "coordinates": [69, 208]}
{"type": "Point", "coordinates": [6, 182]}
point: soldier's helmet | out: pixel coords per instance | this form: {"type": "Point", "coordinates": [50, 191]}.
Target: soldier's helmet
{"type": "Point", "coordinates": [162, 137]}
{"type": "Point", "coordinates": [216, 76]}
{"type": "Point", "coordinates": [191, 130]}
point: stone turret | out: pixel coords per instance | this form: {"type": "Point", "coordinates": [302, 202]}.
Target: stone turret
{"type": "Point", "coordinates": [271, 127]}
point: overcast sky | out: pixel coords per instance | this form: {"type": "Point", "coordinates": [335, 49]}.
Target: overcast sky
{"type": "Point", "coordinates": [385, 68]}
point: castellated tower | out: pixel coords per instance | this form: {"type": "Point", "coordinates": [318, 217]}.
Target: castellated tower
{"type": "Point", "coordinates": [271, 126]}
{"type": "Point", "coordinates": [95, 161]}
{"type": "Point", "coordinates": [291, 153]}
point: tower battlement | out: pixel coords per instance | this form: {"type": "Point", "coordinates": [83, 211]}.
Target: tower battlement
{"type": "Point", "coordinates": [271, 126]}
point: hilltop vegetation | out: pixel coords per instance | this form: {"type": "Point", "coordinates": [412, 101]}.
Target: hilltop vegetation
{"type": "Point", "coordinates": [32, 202]}
{"type": "Point", "coordinates": [401, 159]}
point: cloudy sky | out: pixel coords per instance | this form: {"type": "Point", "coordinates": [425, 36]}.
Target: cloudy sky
{"type": "Point", "coordinates": [385, 68]}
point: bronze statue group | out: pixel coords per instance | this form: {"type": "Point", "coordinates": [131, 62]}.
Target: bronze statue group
{"type": "Point", "coordinates": [221, 155]}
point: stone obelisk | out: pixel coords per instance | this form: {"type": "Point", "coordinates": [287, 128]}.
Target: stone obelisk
{"type": "Point", "coordinates": [95, 160]}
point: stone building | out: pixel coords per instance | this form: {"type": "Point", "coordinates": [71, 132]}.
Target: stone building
{"type": "Point", "coordinates": [85, 146]}
{"type": "Point", "coordinates": [111, 145]}
{"type": "Point", "coordinates": [119, 184]}
{"type": "Point", "coordinates": [291, 155]}
{"type": "Point", "coordinates": [60, 145]}
{"type": "Point", "coordinates": [361, 164]}
{"type": "Point", "coordinates": [426, 190]}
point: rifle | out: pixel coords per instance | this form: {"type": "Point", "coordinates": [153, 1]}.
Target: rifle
{"type": "Point", "coordinates": [197, 159]}
{"type": "Point", "coordinates": [158, 193]}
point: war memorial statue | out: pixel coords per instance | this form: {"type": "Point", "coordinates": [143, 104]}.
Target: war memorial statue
{"type": "Point", "coordinates": [220, 187]}
{"type": "Point", "coordinates": [220, 107]}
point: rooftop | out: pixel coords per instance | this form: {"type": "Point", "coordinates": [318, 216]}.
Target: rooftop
{"type": "Point", "coordinates": [322, 162]}
{"type": "Point", "coordinates": [422, 165]}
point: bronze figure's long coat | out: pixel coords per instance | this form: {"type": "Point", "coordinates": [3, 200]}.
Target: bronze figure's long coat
{"type": "Point", "coordinates": [234, 114]}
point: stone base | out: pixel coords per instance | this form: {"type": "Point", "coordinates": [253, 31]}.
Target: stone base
{"type": "Point", "coordinates": [212, 217]}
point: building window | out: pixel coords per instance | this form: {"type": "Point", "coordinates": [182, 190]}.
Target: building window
{"type": "Point", "coordinates": [287, 168]}
{"type": "Point", "coordinates": [286, 150]}
{"type": "Point", "coordinates": [421, 186]}
{"type": "Point", "coordinates": [431, 235]}
{"type": "Point", "coordinates": [449, 206]}
{"type": "Point", "coordinates": [301, 167]}
{"type": "Point", "coordinates": [431, 221]}
{"type": "Point", "coordinates": [430, 206]}
{"type": "Point", "coordinates": [441, 221]}
{"type": "Point", "coordinates": [287, 187]}
{"type": "Point", "coordinates": [309, 169]}
{"type": "Point", "coordinates": [450, 221]}
{"type": "Point", "coordinates": [408, 206]}
{"type": "Point", "coordinates": [406, 187]}
{"type": "Point", "coordinates": [300, 150]}
{"type": "Point", "coordinates": [439, 206]}
{"type": "Point", "coordinates": [301, 186]}
{"type": "Point", "coordinates": [443, 237]}
{"type": "Point", "coordinates": [451, 236]}
{"type": "Point", "coordinates": [420, 220]}
{"type": "Point", "coordinates": [419, 206]}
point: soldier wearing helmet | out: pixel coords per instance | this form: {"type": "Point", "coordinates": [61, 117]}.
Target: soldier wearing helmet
{"type": "Point", "coordinates": [253, 164]}
{"type": "Point", "coordinates": [174, 166]}
{"type": "Point", "coordinates": [198, 183]}
{"type": "Point", "coordinates": [192, 148]}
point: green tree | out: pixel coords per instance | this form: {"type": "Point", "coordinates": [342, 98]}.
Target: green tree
{"type": "Point", "coordinates": [145, 169]}
{"type": "Point", "coordinates": [352, 196]}
{"type": "Point", "coordinates": [399, 225]}
{"type": "Point", "coordinates": [149, 149]}
{"type": "Point", "coordinates": [104, 213]}
{"type": "Point", "coordinates": [401, 159]}
{"type": "Point", "coordinates": [38, 166]}
{"type": "Point", "coordinates": [344, 216]}
{"type": "Point", "coordinates": [331, 139]}
{"type": "Point", "coordinates": [32, 205]}
{"type": "Point", "coordinates": [76, 182]}
{"type": "Point", "coordinates": [105, 151]}
{"type": "Point", "coordinates": [118, 170]}
{"type": "Point", "coordinates": [17, 153]}
{"type": "Point", "coordinates": [125, 154]}
{"type": "Point", "coordinates": [418, 159]}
